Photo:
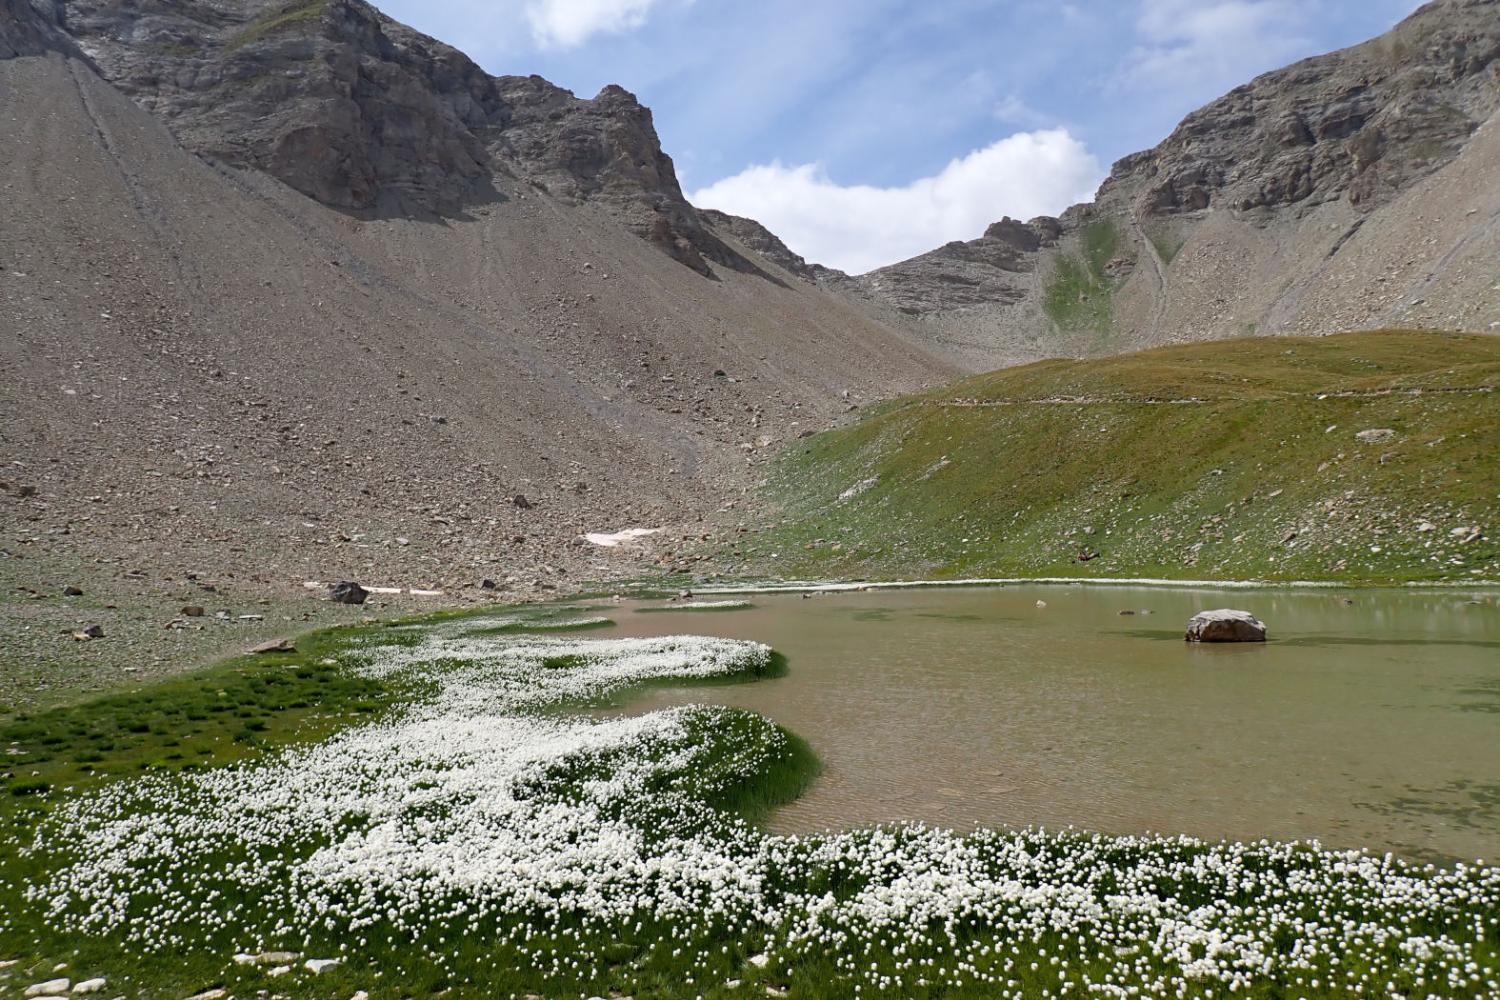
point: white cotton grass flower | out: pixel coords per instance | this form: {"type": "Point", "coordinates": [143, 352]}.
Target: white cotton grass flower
{"type": "Point", "coordinates": [568, 839]}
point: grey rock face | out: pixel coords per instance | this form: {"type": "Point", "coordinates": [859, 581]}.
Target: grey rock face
{"type": "Point", "coordinates": [960, 274]}
{"type": "Point", "coordinates": [363, 114]}
{"type": "Point", "coordinates": [1225, 625]}
{"type": "Point", "coordinates": [28, 28]}
{"type": "Point", "coordinates": [1361, 123]}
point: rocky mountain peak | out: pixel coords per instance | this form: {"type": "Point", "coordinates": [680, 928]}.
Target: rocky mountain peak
{"type": "Point", "coordinates": [365, 115]}
{"type": "Point", "coordinates": [1362, 123]}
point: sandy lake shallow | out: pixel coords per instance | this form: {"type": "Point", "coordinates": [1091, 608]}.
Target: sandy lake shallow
{"type": "Point", "coordinates": [1372, 718]}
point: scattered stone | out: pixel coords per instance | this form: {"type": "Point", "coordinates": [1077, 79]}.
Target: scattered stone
{"type": "Point", "coordinates": [361, 995]}
{"type": "Point", "coordinates": [51, 986]}
{"type": "Point", "coordinates": [759, 961]}
{"type": "Point", "coordinates": [347, 592]}
{"type": "Point", "coordinates": [488, 584]}
{"type": "Point", "coordinates": [71, 591]}
{"type": "Point", "coordinates": [278, 970]}
{"type": "Point", "coordinates": [317, 966]}
{"type": "Point", "coordinates": [276, 646]}
{"type": "Point", "coordinates": [1041, 604]}
{"type": "Point", "coordinates": [521, 502]}
{"type": "Point", "coordinates": [1127, 611]}
{"type": "Point", "coordinates": [1375, 435]}
{"type": "Point", "coordinates": [252, 618]}
{"type": "Point", "coordinates": [89, 985]}
{"type": "Point", "coordinates": [1225, 625]}
{"type": "Point", "coordinates": [193, 611]}
{"type": "Point", "coordinates": [92, 632]}
{"type": "Point", "coordinates": [213, 994]}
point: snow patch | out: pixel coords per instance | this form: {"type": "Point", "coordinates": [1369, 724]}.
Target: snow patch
{"type": "Point", "coordinates": [610, 540]}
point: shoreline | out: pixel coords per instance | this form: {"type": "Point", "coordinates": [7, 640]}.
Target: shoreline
{"type": "Point", "coordinates": [805, 586]}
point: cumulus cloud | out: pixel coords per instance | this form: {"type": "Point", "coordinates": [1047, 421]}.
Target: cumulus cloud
{"type": "Point", "coordinates": [860, 227]}
{"type": "Point", "coordinates": [563, 24]}
{"type": "Point", "coordinates": [1193, 43]}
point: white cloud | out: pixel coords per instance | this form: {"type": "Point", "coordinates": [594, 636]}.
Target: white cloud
{"type": "Point", "coordinates": [859, 227]}
{"type": "Point", "coordinates": [564, 24]}
{"type": "Point", "coordinates": [1198, 44]}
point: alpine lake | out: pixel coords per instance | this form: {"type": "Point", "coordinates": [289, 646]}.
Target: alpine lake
{"type": "Point", "coordinates": [1370, 719]}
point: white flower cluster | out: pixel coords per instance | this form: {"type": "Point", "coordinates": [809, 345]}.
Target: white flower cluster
{"type": "Point", "coordinates": [481, 809]}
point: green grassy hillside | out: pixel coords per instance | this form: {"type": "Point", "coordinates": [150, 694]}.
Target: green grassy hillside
{"type": "Point", "coordinates": [1238, 459]}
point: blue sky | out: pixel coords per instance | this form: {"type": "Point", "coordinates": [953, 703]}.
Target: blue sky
{"type": "Point", "coordinates": [863, 131]}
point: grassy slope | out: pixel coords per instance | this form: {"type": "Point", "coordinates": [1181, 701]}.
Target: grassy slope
{"type": "Point", "coordinates": [1261, 478]}
{"type": "Point", "coordinates": [1079, 292]}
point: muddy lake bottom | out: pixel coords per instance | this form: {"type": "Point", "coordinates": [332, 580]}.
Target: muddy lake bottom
{"type": "Point", "coordinates": [1370, 720]}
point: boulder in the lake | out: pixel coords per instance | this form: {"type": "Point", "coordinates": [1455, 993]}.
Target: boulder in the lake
{"type": "Point", "coordinates": [1225, 625]}
{"type": "Point", "coordinates": [347, 592]}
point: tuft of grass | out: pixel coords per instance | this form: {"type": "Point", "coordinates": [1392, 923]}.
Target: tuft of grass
{"type": "Point", "coordinates": [1235, 459]}
{"type": "Point", "coordinates": [1077, 296]}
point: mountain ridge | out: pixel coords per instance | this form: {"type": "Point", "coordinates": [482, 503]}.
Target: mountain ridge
{"type": "Point", "coordinates": [1266, 183]}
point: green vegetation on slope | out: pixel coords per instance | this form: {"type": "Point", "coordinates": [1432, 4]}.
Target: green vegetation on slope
{"type": "Point", "coordinates": [280, 19]}
{"type": "Point", "coordinates": [1077, 296]}
{"type": "Point", "coordinates": [1166, 238]}
{"type": "Point", "coordinates": [1234, 459]}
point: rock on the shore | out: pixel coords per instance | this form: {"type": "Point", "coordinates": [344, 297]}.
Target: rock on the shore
{"type": "Point", "coordinates": [1225, 625]}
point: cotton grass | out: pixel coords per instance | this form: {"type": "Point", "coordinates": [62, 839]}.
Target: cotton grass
{"type": "Point", "coordinates": [481, 830]}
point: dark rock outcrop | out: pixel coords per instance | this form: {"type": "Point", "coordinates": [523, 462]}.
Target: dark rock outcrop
{"type": "Point", "coordinates": [30, 28]}
{"type": "Point", "coordinates": [348, 592]}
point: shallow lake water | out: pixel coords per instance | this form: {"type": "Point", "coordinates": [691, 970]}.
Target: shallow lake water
{"type": "Point", "coordinates": [1371, 719]}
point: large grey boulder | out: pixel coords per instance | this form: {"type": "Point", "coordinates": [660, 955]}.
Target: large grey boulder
{"type": "Point", "coordinates": [1225, 625]}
